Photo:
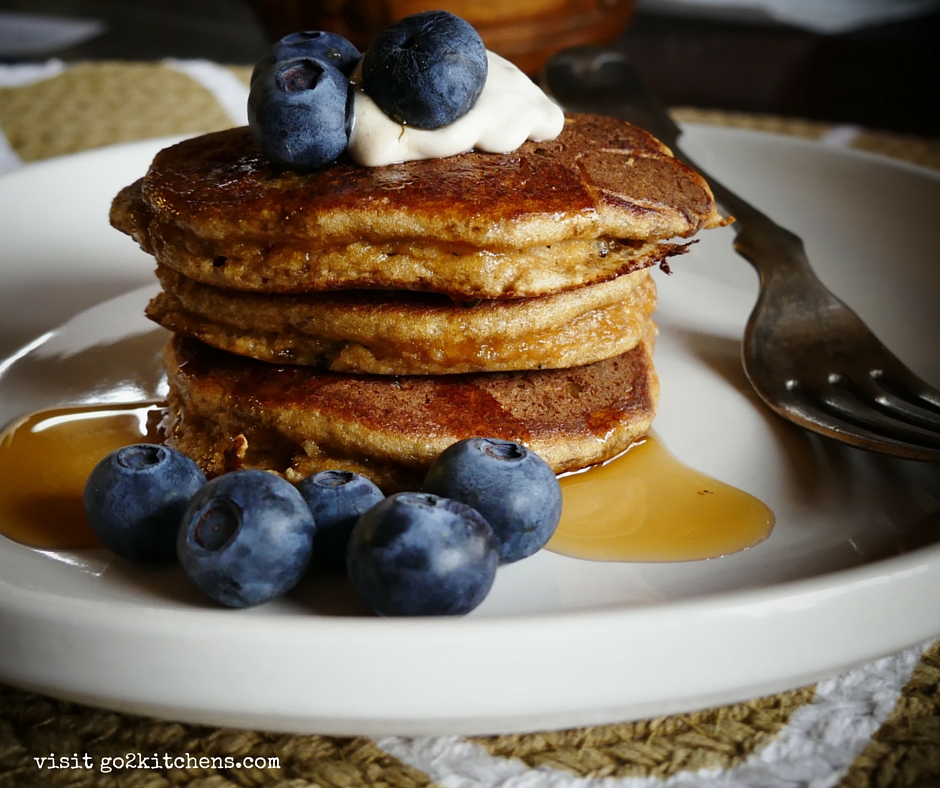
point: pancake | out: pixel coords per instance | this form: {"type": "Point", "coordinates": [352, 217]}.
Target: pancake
{"type": "Point", "coordinates": [228, 412]}
{"type": "Point", "coordinates": [463, 273]}
{"type": "Point", "coordinates": [402, 333]}
{"type": "Point", "coordinates": [602, 199]}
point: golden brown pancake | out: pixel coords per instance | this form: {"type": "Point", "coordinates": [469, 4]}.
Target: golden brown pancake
{"type": "Point", "coordinates": [229, 412]}
{"type": "Point", "coordinates": [600, 200]}
{"type": "Point", "coordinates": [406, 333]}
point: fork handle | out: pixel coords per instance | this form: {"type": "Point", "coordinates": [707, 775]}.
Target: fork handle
{"type": "Point", "coordinates": [773, 250]}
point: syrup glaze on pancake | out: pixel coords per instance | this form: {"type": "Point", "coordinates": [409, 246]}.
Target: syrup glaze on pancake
{"type": "Point", "coordinates": [402, 333]}
{"type": "Point", "coordinates": [212, 207]}
{"type": "Point", "coordinates": [228, 412]}
{"type": "Point", "coordinates": [600, 177]}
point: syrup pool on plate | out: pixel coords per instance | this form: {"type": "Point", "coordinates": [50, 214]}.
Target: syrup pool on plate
{"type": "Point", "coordinates": [641, 506]}
{"type": "Point", "coordinates": [46, 457]}
{"type": "Point", "coordinates": [645, 505]}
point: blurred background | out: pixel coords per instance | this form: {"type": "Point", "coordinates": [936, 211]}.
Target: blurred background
{"type": "Point", "coordinates": [872, 63]}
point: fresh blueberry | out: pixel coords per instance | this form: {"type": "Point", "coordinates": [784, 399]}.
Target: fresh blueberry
{"type": "Point", "coordinates": [426, 70]}
{"type": "Point", "coordinates": [336, 499]}
{"type": "Point", "coordinates": [318, 44]}
{"type": "Point", "coordinates": [509, 484]}
{"type": "Point", "coordinates": [415, 554]}
{"type": "Point", "coordinates": [299, 112]}
{"type": "Point", "coordinates": [246, 538]}
{"type": "Point", "coordinates": [135, 497]}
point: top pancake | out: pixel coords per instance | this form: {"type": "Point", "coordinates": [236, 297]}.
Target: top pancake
{"type": "Point", "coordinates": [211, 200]}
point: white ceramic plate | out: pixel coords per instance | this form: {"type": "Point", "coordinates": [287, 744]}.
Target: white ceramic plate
{"type": "Point", "coordinates": [851, 572]}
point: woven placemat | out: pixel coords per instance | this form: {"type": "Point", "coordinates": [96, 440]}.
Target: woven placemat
{"type": "Point", "coordinates": [879, 725]}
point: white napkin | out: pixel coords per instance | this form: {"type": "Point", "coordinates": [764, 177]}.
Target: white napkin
{"type": "Point", "coordinates": [35, 35]}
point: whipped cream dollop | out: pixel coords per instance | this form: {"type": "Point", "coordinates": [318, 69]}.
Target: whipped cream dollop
{"type": "Point", "coordinates": [510, 110]}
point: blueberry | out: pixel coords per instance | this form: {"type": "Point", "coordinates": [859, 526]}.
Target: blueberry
{"type": "Point", "coordinates": [415, 554]}
{"type": "Point", "coordinates": [509, 484]}
{"type": "Point", "coordinates": [299, 112]}
{"type": "Point", "coordinates": [319, 44]}
{"type": "Point", "coordinates": [426, 70]}
{"type": "Point", "coordinates": [246, 538]}
{"type": "Point", "coordinates": [135, 497]}
{"type": "Point", "coordinates": [336, 500]}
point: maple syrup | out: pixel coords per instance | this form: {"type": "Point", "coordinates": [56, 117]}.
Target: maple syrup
{"type": "Point", "coordinates": [46, 457]}
{"type": "Point", "coordinates": [641, 506]}
{"type": "Point", "coordinates": [645, 505]}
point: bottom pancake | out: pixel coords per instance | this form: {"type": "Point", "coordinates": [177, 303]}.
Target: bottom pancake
{"type": "Point", "coordinates": [229, 412]}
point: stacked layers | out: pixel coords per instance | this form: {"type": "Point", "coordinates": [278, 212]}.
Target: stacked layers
{"type": "Point", "coordinates": [366, 318]}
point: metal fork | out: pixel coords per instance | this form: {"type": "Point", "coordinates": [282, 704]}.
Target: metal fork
{"type": "Point", "coordinates": [808, 356]}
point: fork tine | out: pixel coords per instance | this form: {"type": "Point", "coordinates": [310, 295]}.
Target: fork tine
{"type": "Point", "coordinates": [812, 413]}
{"type": "Point", "coordinates": [844, 402]}
{"type": "Point", "coordinates": [903, 383]}
{"type": "Point", "coordinates": [887, 397]}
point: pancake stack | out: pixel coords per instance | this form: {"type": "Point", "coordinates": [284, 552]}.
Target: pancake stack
{"type": "Point", "coordinates": [366, 318]}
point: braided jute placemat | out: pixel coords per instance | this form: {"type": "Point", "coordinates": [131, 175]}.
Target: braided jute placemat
{"type": "Point", "coordinates": [878, 725]}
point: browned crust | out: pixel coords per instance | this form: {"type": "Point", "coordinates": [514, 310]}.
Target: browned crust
{"type": "Point", "coordinates": [391, 428]}
{"type": "Point", "coordinates": [601, 177]}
